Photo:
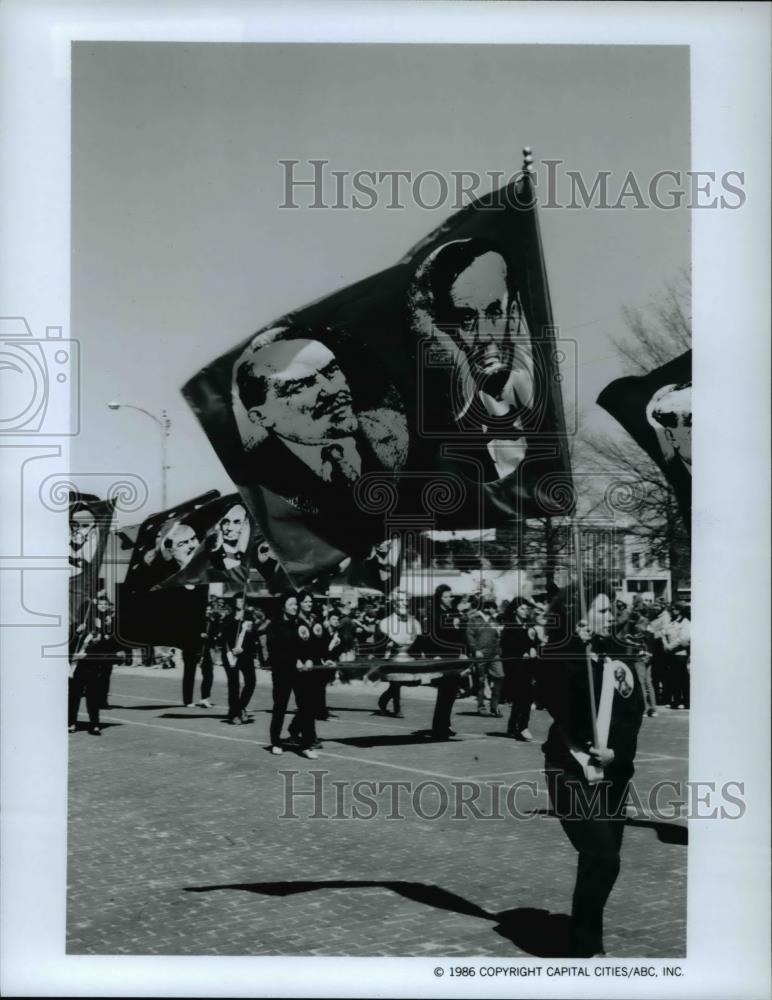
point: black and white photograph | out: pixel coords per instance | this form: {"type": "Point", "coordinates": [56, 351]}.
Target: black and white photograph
{"type": "Point", "coordinates": [408, 642]}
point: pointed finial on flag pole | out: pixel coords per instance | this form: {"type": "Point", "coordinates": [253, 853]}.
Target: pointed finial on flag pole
{"type": "Point", "coordinates": [527, 160]}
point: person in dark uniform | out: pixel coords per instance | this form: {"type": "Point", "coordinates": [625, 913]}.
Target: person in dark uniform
{"type": "Point", "coordinates": [239, 651]}
{"type": "Point", "coordinates": [104, 621]}
{"type": "Point", "coordinates": [99, 646]}
{"type": "Point", "coordinates": [200, 655]}
{"type": "Point", "coordinates": [587, 778]}
{"type": "Point", "coordinates": [289, 674]}
{"type": "Point", "coordinates": [519, 646]}
{"type": "Point", "coordinates": [310, 649]}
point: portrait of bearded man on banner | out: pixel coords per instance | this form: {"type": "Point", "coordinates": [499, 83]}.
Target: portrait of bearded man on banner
{"type": "Point", "coordinates": [84, 539]}
{"type": "Point", "coordinates": [230, 540]}
{"type": "Point", "coordinates": [476, 357]}
{"type": "Point", "coordinates": [174, 546]}
{"type": "Point", "coordinates": [312, 424]}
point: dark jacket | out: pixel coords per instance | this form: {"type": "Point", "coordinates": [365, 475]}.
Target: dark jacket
{"type": "Point", "coordinates": [441, 637]}
{"type": "Point", "coordinates": [517, 640]}
{"type": "Point", "coordinates": [283, 644]}
{"type": "Point", "coordinates": [565, 692]}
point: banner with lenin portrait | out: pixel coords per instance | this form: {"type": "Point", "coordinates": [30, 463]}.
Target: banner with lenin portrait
{"type": "Point", "coordinates": [428, 390]}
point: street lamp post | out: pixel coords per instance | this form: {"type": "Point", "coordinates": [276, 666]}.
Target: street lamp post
{"type": "Point", "coordinates": [165, 424]}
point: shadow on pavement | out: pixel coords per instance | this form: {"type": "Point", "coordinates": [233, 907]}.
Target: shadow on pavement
{"type": "Point", "coordinates": [146, 708]}
{"type": "Point", "coordinates": [365, 742]}
{"type": "Point", "coordinates": [536, 932]}
{"type": "Point", "coordinates": [667, 833]}
{"type": "Point", "coordinates": [216, 715]}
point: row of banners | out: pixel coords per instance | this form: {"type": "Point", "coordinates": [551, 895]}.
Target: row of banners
{"type": "Point", "coordinates": [426, 396]}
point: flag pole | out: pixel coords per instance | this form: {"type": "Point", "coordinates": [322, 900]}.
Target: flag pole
{"type": "Point", "coordinates": [583, 613]}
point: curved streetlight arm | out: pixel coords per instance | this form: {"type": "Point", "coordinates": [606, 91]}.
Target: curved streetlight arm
{"type": "Point", "coordinates": [165, 424]}
{"type": "Point", "coordinates": [140, 409]}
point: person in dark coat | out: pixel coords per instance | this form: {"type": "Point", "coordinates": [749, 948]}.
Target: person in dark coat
{"type": "Point", "coordinates": [588, 777]}
{"type": "Point", "coordinates": [290, 674]}
{"type": "Point", "coordinates": [519, 647]}
{"type": "Point", "coordinates": [239, 652]}
{"type": "Point", "coordinates": [98, 648]}
{"type": "Point", "coordinates": [443, 640]}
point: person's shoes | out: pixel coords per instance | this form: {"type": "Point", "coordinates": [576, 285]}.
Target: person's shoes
{"type": "Point", "coordinates": [95, 731]}
{"type": "Point", "coordinates": [191, 705]}
{"type": "Point", "coordinates": [317, 745]}
{"type": "Point", "coordinates": [441, 737]}
{"type": "Point", "coordinates": [309, 753]}
{"type": "Point", "coordinates": [651, 713]}
{"type": "Point", "coordinates": [276, 750]}
{"type": "Point", "coordinates": [206, 703]}
{"type": "Point", "coordinates": [527, 736]}
{"type": "Point", "coordinates": [292, 740]}
{"type": "Point", "coordinates": [235, 721]}
{"type": "Point", "coordinates": [495, 714]}
{"type": "Point", "coordinates": [106, 705]}
{"type": "Point", "coordinates": [398, 715]}
{"type": "Point", "coordinates": [481, 710]}
{"type": "Point", "coordinates": [246, 718]}
{"type": "Point", "coordinates": [72, 729]}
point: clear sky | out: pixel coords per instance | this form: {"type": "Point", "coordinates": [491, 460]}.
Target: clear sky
{"type": "Point", "coordinates": [180, 249]}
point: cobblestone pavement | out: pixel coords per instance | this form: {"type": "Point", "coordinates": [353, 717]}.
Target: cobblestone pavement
{"type": "Point", "coordinates": [177, 845]}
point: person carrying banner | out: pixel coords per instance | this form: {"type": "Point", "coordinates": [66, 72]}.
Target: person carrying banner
{"type": "Point", "coordinates": [290, 673]}
{"type": "Point", "coordinates": [596, 703]}
{"type": "Point", "coordinates": [104, 621]}
{"type": "Point", "coordinates": [239, 646]}
{"type": "Point", "coordinates": [99, 647]}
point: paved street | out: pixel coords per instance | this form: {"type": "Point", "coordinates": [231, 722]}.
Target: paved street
{"type": "Point", "coordinates": [176, 845]}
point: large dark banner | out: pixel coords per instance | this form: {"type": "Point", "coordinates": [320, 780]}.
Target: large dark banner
{"type": "Point", "coordinates": [656, 411]}
{"type": "Point", "coordinates": [166, 543]}
{"type": "Point", "coordinates": [431, 387]}
{"type": "Point", "coordinates": [90, 520]}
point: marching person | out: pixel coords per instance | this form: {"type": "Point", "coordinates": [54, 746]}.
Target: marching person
{"type": "Point", "coordinates": [104, 621]}
{"type": "Point", "coordinates": [239, 651]}
{"type": "Point", "coordinates": [200, 655]}
{"type": "Point", "coordinates": [290, 674]}
{"type": "Point", "coordinates": [580, 756]}
{"type": "Point", "coordinates": [443, 641]}
{"type": "Point", "coordinates": [313, 682]}
{"type": "Point", "coordinates": [98, 647]}
{"type": "Point", "coordinates": [519, 648]}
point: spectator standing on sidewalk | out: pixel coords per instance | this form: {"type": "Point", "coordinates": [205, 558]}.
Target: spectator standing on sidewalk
{"type": "Point", "coordinates": [483, 641]}
{"type": "Point", "coordinates": [677, 644]}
